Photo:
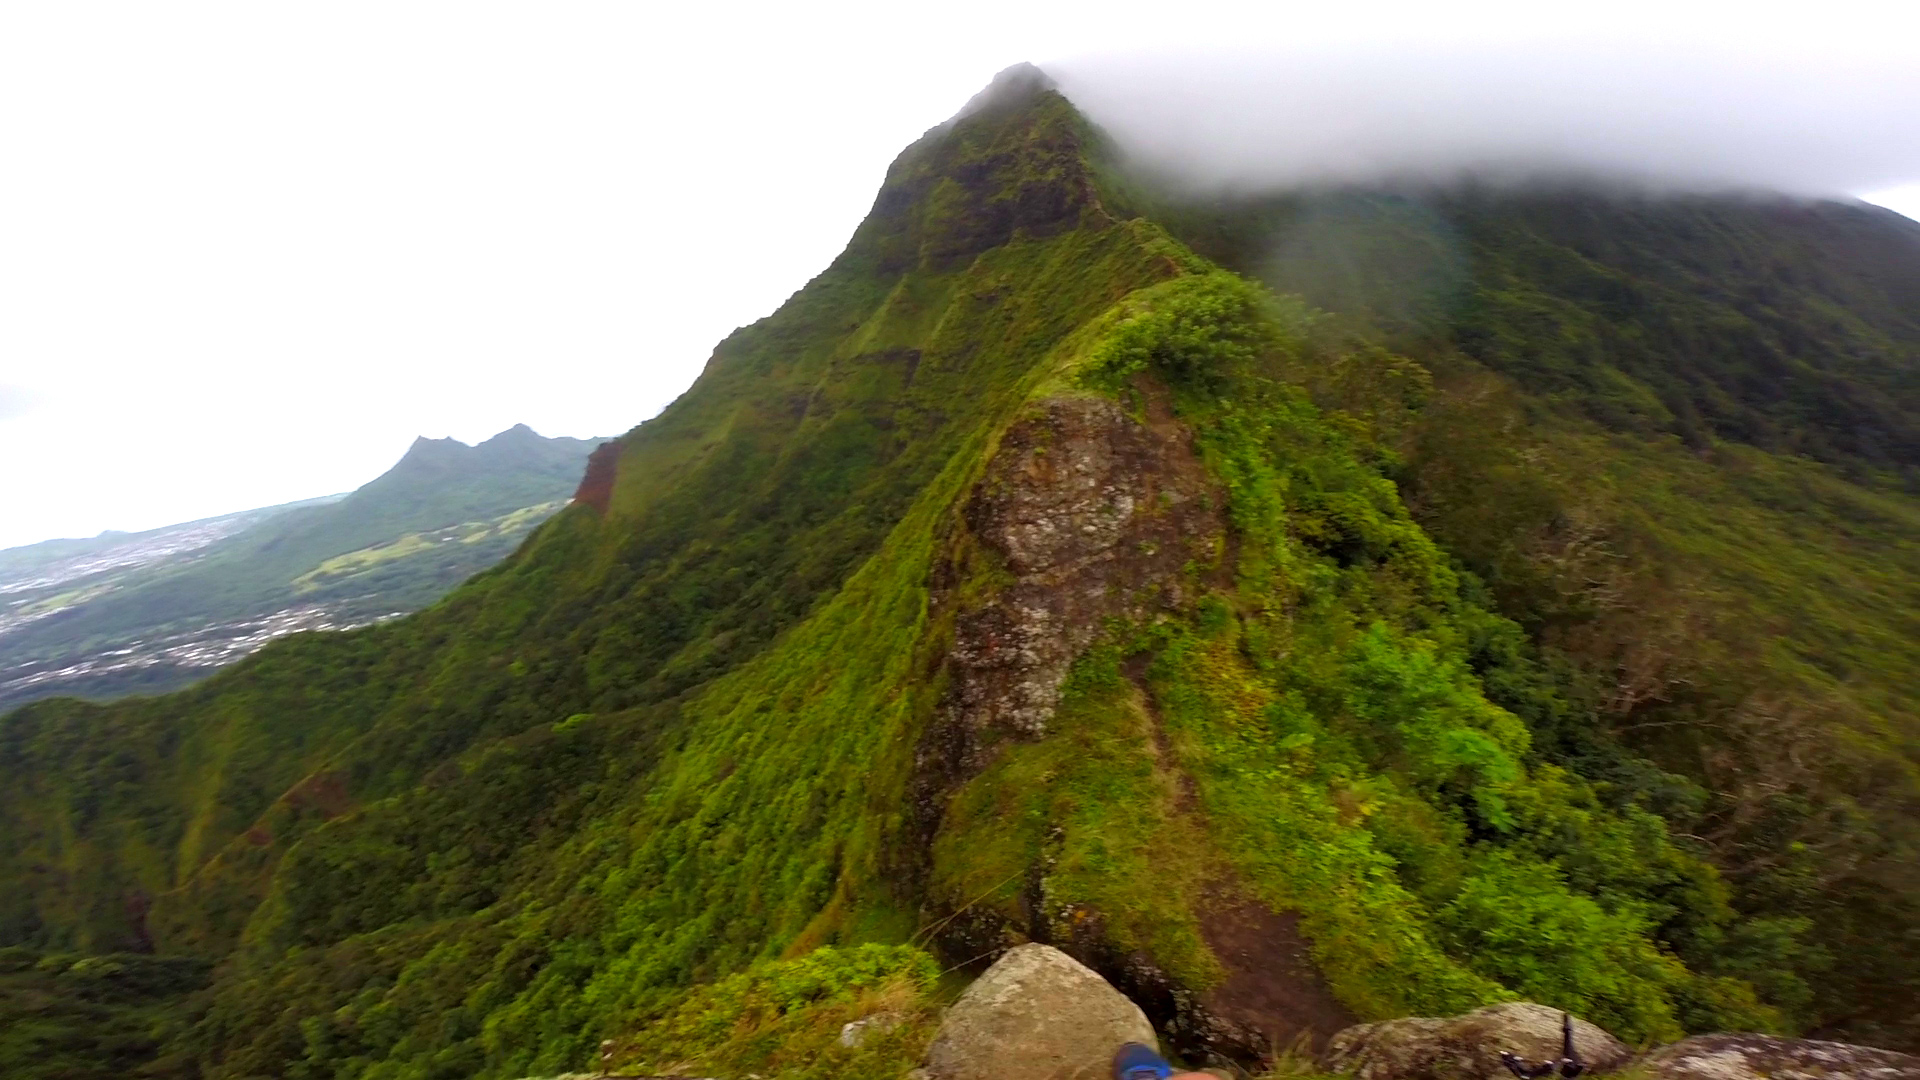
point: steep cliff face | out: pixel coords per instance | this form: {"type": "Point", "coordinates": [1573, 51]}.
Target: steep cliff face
{"type": "Point", "coordinates": [1091, 516]}
{"type": "Point", "coordinates": [1024, 577]}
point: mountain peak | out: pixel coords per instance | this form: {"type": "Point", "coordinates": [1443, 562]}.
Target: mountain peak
{"type": "Point", "coordinates": [424, 449]}
{"type": "Point", "coordinates": [518, 433]}
{"type": "Point", "coordinates": [1013, 161]}
{"type": "Point", "coordinates": [1011, 87]}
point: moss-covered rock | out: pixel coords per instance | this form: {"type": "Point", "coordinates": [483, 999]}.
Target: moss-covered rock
{"type": "Point", "coordinates": [1468, 1047]}
{"type": "Point", "coordinates": [1035, 1012]}
{"type": "Point", "coordinates": [1765, 1057]}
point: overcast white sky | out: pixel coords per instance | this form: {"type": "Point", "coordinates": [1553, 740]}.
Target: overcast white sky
{"type": "Point", "coordinates": [249, 250]}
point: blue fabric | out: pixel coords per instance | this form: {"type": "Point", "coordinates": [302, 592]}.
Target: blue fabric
{"type": "Point", "coordinates": [1137, 1062]}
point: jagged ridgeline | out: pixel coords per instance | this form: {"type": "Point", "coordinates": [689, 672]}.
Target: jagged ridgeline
{"type": "Point", "coordinates": [1029, 575]}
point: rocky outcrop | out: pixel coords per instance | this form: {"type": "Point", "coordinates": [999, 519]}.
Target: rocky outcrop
{"type": "Point", "coordinates": [1467, 1047]}
{"type": "Point", "coordinates": [1763, 1057]}
{"type": "Point", "coordinates": [1037, 1014]}
{"type": "Point", "coordinates": [1095, 515]}
{"type": "Point", "coordinates": [1088, 513]}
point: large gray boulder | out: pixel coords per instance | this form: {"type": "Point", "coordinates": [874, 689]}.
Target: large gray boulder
{"type": "Point", "coordinates": [1466, 1047]}
{"type": "Point", "coordinates": [1037, 1014]}
{"type": "Point", "coordinates": [1763, 1057]}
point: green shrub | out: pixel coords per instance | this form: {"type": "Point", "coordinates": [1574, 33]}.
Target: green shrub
{"type": "Point", "coordinates": [783, 1018]}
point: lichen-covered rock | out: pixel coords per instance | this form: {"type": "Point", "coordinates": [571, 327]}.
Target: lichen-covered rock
{"type": "Point", "coordinates": [855, 1033]}
{"type": "Point", "coordinates": [1763, 1057]}
{"type": "Point", "coordinates": [1037, 1014]}
{"type": "Point", "coordinates": [1096, 516]}
{"type": "Point", "coordinates": [1466, 1047]}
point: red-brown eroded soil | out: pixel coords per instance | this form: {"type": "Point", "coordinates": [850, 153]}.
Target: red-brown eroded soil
{"type": "Point", "coordinates": [596, 487]}
{"type": "Point", "coordinates": [1272, 984]}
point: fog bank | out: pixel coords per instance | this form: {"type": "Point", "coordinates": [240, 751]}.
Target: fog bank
{"type": "Point", "coordinates": [1688, 118]}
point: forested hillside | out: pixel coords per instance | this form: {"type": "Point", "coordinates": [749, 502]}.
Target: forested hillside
{"type": "Point", "coordinates": [1675, 438]}
{"type": "Point", "coordinates": [1483, 594]}
{"type": "Point", "coordinates": [112, 616]}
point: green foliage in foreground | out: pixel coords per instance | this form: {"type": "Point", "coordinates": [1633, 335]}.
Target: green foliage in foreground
{"type": "Point", "coordinates": [782, 1019]}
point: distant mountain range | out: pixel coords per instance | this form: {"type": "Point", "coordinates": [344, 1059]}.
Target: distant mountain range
{"type": "Point", "coordinates": [152, 611]}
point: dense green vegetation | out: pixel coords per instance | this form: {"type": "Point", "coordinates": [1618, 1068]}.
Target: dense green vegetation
{"type": "Point", "coordinates": [93, 1017]}
{"type": "Point", "coordinates": [783, 1018]}
{"type": "Point", "coordinates": [1332, 710]}
{"type": "Point", "coordinates": [1672, 437]}
{"type": "Point", "coordinates": [1484, 684]}
{"type": "Point", "coordinates": [396, 544]}
{"type": "Point", "coordinates": [1779, 324]}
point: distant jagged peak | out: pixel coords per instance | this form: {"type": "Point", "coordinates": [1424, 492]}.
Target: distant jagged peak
{"type": "Point", "coordinates": [516, 433]}
{"type": "Point", "coordinates": [517, 444]}
{"type": "Point", "coordinates": [424, 449]}
{"type": "Point", "coordinates": [515, 437]}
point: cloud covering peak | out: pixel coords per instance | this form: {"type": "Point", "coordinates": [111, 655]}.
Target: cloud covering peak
{"type": "Point", "coordinates": [1686, 117]}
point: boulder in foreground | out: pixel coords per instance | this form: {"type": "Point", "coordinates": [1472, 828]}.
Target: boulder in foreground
{"type": "Point", "coordinates": [1763, 1057]}
{"type": "Point", "coordinates": [1467, 1047]}
{"type": "Point", "coordinates": [1037, 1014]}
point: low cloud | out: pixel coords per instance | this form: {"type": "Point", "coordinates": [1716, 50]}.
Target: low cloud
{"type": "Point", "coordinates": [1814, 124]}
{"type": "Point", "coordinates": [14, 401]}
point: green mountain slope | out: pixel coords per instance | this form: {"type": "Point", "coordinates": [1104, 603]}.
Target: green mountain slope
{"type": "Point", "coordinates": [1675, 438]}
{"type": "Point", "coordinates": [155, 612]}
{"type": "Point", "coordinates": [1783, 324]}
{"type": "Point", "coordinates": [1029, 576]}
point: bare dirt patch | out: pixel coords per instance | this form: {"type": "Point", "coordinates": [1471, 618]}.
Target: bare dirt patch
{"type": "Point", "coordinates": [1273, 991]}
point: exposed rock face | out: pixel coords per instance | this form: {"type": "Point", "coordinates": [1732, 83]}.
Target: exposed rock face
{"type": "Point", "coordinates": [1092, 514]}
{"type": "Point", "coordinates": [1096, 515]}
{"type": "Point", "coordinates": [1763, 1057]}
{"type": "Point", "coordinates": [1466, 1047]}
{"type": "Point", "coordinates": [1037, 1014]}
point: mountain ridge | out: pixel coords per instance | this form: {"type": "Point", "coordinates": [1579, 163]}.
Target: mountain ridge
{"type": "Point", "coordinates": [1027, 575]}
{"type": "Point", "coordinates": [248, 577]}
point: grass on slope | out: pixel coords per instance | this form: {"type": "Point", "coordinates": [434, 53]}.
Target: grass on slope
{"type": "Point", "coordinates": [662, 747]}
{"type": "Point", "coordinates": [1331, 709]}
{"type": "Point", "coordinates": [764, 827]}
{"type": "Point", "coordinates": [1675, 438]}
{"type": "Point", "coordinates": [1745, 621]}
{"type": "Point", "coordinates": [507, 528]}
{"type": "Point", "coordinates": [840, 412]}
